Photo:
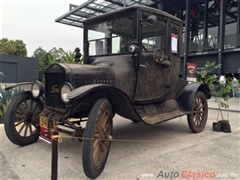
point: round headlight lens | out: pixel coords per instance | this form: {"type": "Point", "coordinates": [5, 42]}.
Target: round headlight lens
{"type": "Point", "coordinates": [66, 88]}
{"type": "Point", "coordinates": [36, 89]}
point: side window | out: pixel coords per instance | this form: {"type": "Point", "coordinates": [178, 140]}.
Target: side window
{"type": "Point", "coordinates": [153, 35]}
{"type": "Point", "coordinates": [121, 44]}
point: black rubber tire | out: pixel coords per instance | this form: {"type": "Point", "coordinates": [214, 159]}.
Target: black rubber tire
{"type": "Point", "coordinates": [26, 108]}
{"type": "Point", "coordinates": [102, 109]}
{"type": "Point", "coordinates": [135, 121]}
{"type": "Point", "coordinates": [198, 118]}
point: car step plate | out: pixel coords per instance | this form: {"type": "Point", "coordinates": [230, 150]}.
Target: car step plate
{"type": "Point", "coordinates": [162, 117]}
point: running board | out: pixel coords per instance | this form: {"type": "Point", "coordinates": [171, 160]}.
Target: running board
{"type": "Point", "coordinates": [163, 117]}
{"type": "Point", "coordinates": [160, 111]}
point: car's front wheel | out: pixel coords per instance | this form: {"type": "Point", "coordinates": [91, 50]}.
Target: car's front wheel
{"type": "Point", "coordinates": [97, 136]}
{"type": "Point", "coordinates": [21, 121]}
{"type": "Point", "coordinates": [197, 119]}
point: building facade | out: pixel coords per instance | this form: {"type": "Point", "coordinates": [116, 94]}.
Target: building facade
{"type": "Point", "coordinates": [211, 27]}
{"type": "Point", "coordinates": [18, 69]}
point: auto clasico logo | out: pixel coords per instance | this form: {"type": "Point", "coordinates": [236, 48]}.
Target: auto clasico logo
{"type": "Point", "coordinates": [187, 174]}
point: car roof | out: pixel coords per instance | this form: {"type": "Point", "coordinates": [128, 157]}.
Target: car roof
{"type": "Point", "coordinates": [123, 10]}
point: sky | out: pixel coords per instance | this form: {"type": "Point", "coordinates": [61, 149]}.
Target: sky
{"type": "Point", "coordinates": [33, 22]}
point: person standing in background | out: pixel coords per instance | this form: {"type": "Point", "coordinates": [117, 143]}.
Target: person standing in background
{"type": "Point", "coordinates": [222, 80]}
{"type": "Point", "coordinates": [234, 87]}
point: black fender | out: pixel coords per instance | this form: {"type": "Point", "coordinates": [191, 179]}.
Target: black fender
{"type": "Point", "coordinates": [186, 96]}
{"type": "Point", "coordinates": [25, 85]}
{"type": "Point", "coordinates": [120, 101]}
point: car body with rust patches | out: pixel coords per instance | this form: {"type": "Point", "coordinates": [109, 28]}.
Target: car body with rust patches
{"type": "Point", "coordinates": [131, 67]}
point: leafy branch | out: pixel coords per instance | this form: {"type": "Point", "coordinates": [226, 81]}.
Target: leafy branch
{"type": "Point", "coordinates": [205, 75]}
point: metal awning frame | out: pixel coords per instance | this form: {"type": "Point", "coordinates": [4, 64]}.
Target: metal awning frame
{"type": "Point", "coordinates": [77, 14]}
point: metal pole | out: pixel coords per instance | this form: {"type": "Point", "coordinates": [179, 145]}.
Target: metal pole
{"type": "Point", "coordinates": [206, 19]}
{"type": "Point", "coordinates": [54, 155]}
{"type": "Point", "coordinates": [221, 34]}
{"type": "Point", "coordinates": [160, 5]}
{"type": "Point", "coordinates": [238, 17]}
{"type": "Point", "coordinates": [238, 23]}
{"type": "Point", "coordinates": [187, 35]}
{"type": "Point", "coordinates": [124, 3]}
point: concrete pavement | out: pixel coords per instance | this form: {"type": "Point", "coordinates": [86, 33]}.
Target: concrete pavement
{"type": "Point", "coordinates": [234, 104]}
{"type": "Point", "coordinates": [172, 152]}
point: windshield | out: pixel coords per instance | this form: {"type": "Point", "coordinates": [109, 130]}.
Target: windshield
{"type": "Point", "coordinates": [111, 37]}
{"type": "Point", "coordinates": [153, 35]}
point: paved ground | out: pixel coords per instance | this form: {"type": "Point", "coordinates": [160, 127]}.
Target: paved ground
{"type": "Point", "coordinates": [234, 104]}
{"type": "Point", "coordinates": [174, 150]}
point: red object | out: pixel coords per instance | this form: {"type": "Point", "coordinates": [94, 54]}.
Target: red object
{"type": "Point", "coordinates": [45, 135]}
{"type": "Point", "coordinates": [195, 11]}
{"type": "Point", "coordinates": [218, 4]}
{"type": "Point", "coordinates": [191, 71]}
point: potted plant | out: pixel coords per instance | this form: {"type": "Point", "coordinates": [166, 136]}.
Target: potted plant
{"type": "Point", "coordinates": [220, 93]}
{"type": "Point", "coordinates": [221, 98]}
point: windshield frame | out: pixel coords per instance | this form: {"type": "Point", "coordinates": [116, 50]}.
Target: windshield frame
{"type": "Point", "coordinates": [116, 16]}
{"type": "Point", "coordinates": [142, 35]}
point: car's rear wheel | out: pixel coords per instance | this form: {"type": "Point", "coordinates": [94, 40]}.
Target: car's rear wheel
{"type": "Point", "coordinates": [198, 118]}
{"type": "Point", "coordinates": [21, 122]}
{"type": "Point", "coordinates": [97, 136]}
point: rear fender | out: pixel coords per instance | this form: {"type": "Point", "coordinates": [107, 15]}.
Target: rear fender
{"type": "Point", "coordinates": [89, 94]}
{"type": "Point", "coordinates": [186, 97]}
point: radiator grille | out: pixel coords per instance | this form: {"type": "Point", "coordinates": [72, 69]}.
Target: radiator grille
{"type": "Point", "coordinates": [53, 83]}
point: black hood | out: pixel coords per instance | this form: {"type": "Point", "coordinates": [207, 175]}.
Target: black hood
{"type": "Point", "coordinates": [76, 74]}
{"type": "Point", "coordinates": [83, 74]}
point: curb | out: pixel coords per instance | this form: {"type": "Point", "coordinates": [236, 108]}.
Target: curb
{"type": "Point", "coordinates": [230, 110]}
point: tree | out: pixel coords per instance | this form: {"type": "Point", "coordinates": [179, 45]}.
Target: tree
{"type": "Point", "coordinates": [39, 53]}
{"type": "Point", "coordinates": [47, 58]}
{"type": "Point", "coordinates": [45, 61]}
{"type": "Point", "coordinates": [11, 47]}
{"type": "Point", "coordinates": [57, 52]}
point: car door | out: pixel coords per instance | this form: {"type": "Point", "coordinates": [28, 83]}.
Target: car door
{"type": "Point", "coordinates": [151, 82]}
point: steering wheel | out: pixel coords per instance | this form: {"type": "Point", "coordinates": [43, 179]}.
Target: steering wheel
{"type": "Point", "coordinates": [158, 55]}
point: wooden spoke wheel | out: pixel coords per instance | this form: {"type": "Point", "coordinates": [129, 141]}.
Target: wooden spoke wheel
{"type": "Point", "coordinates": [97, 136]}
{"type": "Point", "coordinates": [198, 118]}
{"type": "Point", "coordinates": [21, 122]}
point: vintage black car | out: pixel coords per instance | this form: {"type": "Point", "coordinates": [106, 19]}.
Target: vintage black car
{"type": "Point", "coordinates": [131, 67]}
